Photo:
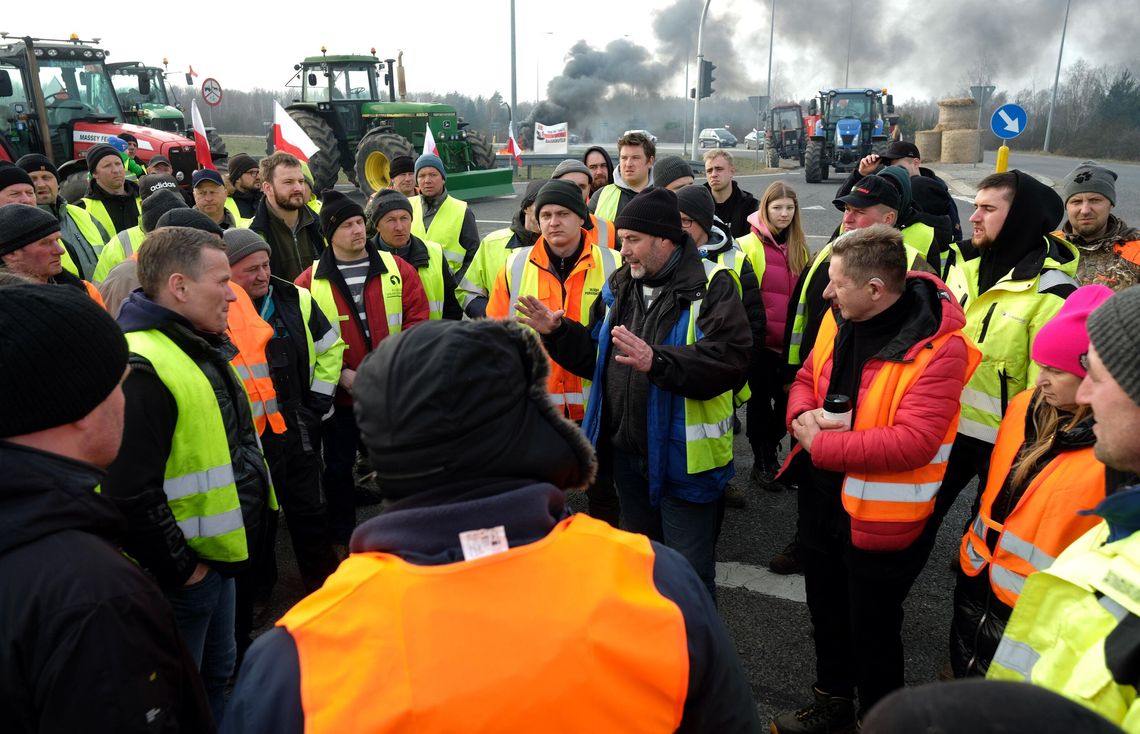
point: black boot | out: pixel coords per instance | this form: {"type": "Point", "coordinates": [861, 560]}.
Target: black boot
{"type": "Point", "coordinates": [787, 561]}
{"type": "Point", "coordinates": [827, 715]}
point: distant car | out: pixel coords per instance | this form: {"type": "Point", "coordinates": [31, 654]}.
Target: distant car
{"type": "Point", "coordinates": [646, 133]}
{"type": "Point", "coordinates": [754, 140]}
{"type": "Point", "coordinates": [716, 137]}
{"type": "Point", "coordinates": [574, 139]}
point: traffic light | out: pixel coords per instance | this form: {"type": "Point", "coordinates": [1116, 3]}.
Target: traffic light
{"type": "Point", "coordinates": [707, 79]}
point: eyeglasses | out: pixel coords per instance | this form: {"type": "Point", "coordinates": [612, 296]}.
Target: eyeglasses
{"type": "Point", "coordinates": [685, 221]}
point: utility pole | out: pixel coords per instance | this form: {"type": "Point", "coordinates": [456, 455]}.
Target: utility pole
{"type": "Point", "coordinates": [1057, 78]}
{"type": "Point", "coordinates": [700, 58]}
{"type": "Point", "coordinates": [684, 121]}
{"type": "Point", "coordinates": [850, 31]}
{"type": "Point", "coordinates": [514, 70]}
{"type": "Point", "coordinates": [771, 43]}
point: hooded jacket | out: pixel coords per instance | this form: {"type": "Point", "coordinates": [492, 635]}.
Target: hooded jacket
{"type": "Point", "coordinates": [606, 155]}
{"type": "Point", "coordinates": [930, 195]}
{"type": "Point", "coordinates": [135, 479]}
{"type": "Point", "coordinates": [718, 245]}
{"type": "Point", "coordinates": [88, 641]}
{"type": "Point", "coordinates": [911, 213]}
{"type": "Point", "coordinates": [247, 202]}
{"type": "Point", "coordinates": [923, 415]}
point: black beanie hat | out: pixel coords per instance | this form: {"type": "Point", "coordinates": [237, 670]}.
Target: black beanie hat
{"type": "Point", "coordinates": [192, 218]}
{"type": "Point", "coordinates": [238, 165]}
{"type": "Point", "coordinates": [61, 355]}
{"type": "Point", "coordinates": [1112, 330]}
{"type": "Point", "coordinates": [11, 175]}
{"type": "Point", "coordinates": [401, 164]}
{"type": "Point", "coordinates": [97, 153]}
{"type": "Point", "coordinates": [531, 193]}
{"type": "Point", "coordinates": [37, 162]}
{"type": "Point", "coordinates": [696, 202]}
{"type": "Point", "coordinates": [668, 169]}
{"type": "Point", "coordinates": [480, 408]}
{"type": "Point", "coordinates": [22, 224]}
{"type": "Point", "coordinates": [155, 206]}
{"type": "Point", "coordinates": [336, 209]}
{"type": "Point", "coordinates": [562, 193]}
{"type": "Point", "coordinates": [654, 212]}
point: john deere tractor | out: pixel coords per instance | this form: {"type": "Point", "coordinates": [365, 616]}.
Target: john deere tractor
{"type": "Point", "coordinates": [147, 99]}
{"type": "Point", "coordinates": [341, 111]}
{"type": "Point", "coordinates": [851, 125]}
{"type": "Point", "coordinates": [56, 98]}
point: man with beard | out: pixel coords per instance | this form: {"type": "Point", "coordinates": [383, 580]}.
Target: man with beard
{"type": "Point", "coordinates": [110, 197]}
{"type": "Point", "coordinates": [601, 167]}
{"type": "Point", "coordinates": [1110, 249]}
{"type": "Point", "coordinates": [283, 220]}
{"type": "Point", "coordinates": [80, 234]}
{"type": "Point", "coordinates": [245, 177]}
{"type": "Point", "coordinates": [1019, 281]}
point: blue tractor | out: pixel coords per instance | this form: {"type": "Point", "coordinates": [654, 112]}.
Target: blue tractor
{"type": "Point", "coordinates": [851, 124]}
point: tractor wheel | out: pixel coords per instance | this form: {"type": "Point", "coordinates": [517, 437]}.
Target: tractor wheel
{"type": "Point", "coordinates": [74, 186]}
{"type": "Point", "coordinates": [773, 158]}
{"type": "Point", "coordinates": [482, 154]}
{"type": "Point", "coordinates": [373, 156]}
{"type": "Point", "coordinates": [325, 163]}
{"type": "Point", "coordinates": [812, 160]}
{"type": "Point", "coordinates": [217, 146]}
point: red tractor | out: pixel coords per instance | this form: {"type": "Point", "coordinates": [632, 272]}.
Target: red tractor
{"type": "Point", "coordinates": [56, 98]}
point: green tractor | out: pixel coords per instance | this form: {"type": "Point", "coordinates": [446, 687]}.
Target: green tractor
{"type": "Point", "coordinates": [147, 99]}
{"type": "Point", "coordinates": [341, 111]}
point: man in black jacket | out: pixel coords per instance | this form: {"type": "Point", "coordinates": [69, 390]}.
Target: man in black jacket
{"type": "Point", "coordinates": [245, 177]}
{"type": "Point", "coordinates": [284, 219]}
{"type": "Point", "coordinates": [191, 478]}
{"type": "Point", "coordinates": [87, 642]}
{"type": "Point", "coordinates": [680, 343]}
{"type": "Point", "coordinates": [733, 204]}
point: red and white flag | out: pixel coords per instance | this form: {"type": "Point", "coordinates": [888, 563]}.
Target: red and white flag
{"type": "Point", "coordinates": [192, 72]}
{"type": "Point", "coordinates": [289, 137]}
{"type": "Point", "coordinates": [513, 145]}
{"type": "Point", "coordinates": [201, 145]}
{"type": "Point", "coordinates": [429, 142]}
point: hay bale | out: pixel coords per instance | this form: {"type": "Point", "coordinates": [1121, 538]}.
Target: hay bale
{"type": "Point", "coordinates": [929, 144]}
{"type": "Point", "coordinates": [962, 146]}
{"type": "Point", "coordinates": [958, 114]}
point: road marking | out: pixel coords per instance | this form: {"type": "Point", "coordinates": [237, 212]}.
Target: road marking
{"type": "Point", "coordinates": [492, 221]}
{"type": "Point", "coordinates": [812, 208]}
{"type": "Point", "coordinates": [967, 199]}
{"type": "Point", "coordinates": [734, 575]}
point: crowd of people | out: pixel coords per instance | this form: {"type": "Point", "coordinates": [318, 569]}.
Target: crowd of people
{"type": "Point", "coordinates": [187, 366]}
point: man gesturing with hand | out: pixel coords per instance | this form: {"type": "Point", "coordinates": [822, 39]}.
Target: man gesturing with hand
{"type": "Point", "coordinates": [666, 344]}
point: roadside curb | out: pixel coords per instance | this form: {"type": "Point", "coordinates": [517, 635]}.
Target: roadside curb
{"type": "Point", "coordinates": [965, 187]}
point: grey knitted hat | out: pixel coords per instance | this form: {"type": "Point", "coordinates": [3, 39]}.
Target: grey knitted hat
{"type": "Point", "coordinates": [241, 243]}
{"type": "Point", "coordinates": [572, 166]}
{"type": "Point", "coordinates": [670, 168]}
{"type": "Point", "coordinates": [1090, 178]}
{"type": "Point", "coordinates": [1112, 330]}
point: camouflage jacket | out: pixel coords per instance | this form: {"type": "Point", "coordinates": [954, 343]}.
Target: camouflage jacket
{"type": "Point", "coordinates": [1106, 260]}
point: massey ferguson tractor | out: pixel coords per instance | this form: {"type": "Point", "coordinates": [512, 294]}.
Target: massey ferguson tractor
{"type": "Point", "coordinates": [56, 98]}
{"type": "Point", "coordinates": [341, 111]}
{"type": "Point", "coordinates": [851, 125]}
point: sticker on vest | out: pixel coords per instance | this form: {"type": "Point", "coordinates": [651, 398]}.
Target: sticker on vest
{"type": "Point", "coordinates": [485, 542]}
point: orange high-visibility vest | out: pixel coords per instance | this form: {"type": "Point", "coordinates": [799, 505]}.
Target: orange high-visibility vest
{"type": "Point", "coordinates": [1045, 520]}
{"type": "Point", "coordinates": [905, 496]}
{"type": "Point", "coordinates": [603, 233]}
{"type": "Point", "coordinates": [250, 334]}
{"type": "Point", "coordinates": [93, 294]}
{"type": "Point", "coordinates": [566, 634]}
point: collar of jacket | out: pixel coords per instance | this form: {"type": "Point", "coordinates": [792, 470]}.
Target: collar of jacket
{"type": "Point", "coordinates": [424, 528]}
{"type": "Point", "coordinates": [253, 196]}
{"type": "Point", "coordinates": [1121, 510]}
{"type": "Point", "coordinates": [432, 204]}
{"type": "Point", "coordinates": [414, 253]}
{"type": "Point", "coordinates": [43, 493]}
{"type": "Point", "coordinates": [283, 291]}
{"type": "Point", "coordinates": [1115, 231]}
{"type": "Point", "coordinates": [718, 241]}
{"type": "Point", "coordinates": [140, 313]}
{"type": "Point", "coordinates": [265, 214]}
{"type": "Point", "coordinates": [327, 269]}
{"type": "Point", "coordinates": [95, 191]}
{"type": "Point", "coordinates": [1056, 250]}
{"type": "Point", "coordinates": [688, 282]}
{"type": "Point", "coordinates": [937, 313]}
{"type": "Point", "coordinates": [66, 278]}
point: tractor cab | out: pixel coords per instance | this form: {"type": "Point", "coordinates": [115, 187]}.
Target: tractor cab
{"type": "Point", "coordinates": [145, 96]}
{"type": "Point", "coordinates": [851, 124]}
{"type": "Point", "coordinates": [786, 137]}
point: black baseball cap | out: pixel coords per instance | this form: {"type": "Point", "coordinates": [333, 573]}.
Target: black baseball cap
{"type": "Point", "coordinates": [900, 149]}
{"type": "Point", "coordinates": [155, 159]}
{"type": "Point", "coordinates": [869, 191]}
{"type": "Point", "coordinates": [206, 174]}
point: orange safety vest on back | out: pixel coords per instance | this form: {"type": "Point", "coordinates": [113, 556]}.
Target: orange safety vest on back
{"type": "Point", "coordinates": [905, 496]}
{"type": "Point", "coordinates": [1045, 520]}
{"type": "Point", "coordinates": [602, 234]}
{"type": "Point", "coordinates": [250, 334]}
{"type": "Point", "coordinates": [566, 634]}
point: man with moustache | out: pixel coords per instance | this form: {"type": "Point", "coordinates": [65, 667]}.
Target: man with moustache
{"type": "Point", "coordinates": [283, 220]}
{"type": "Point", "coordinates": [80, 234]}
{"type": "Point", "coordinates": [1110, 249]}
{"type": "Point", "coordinates": [597, 159]}
{"type": "Point", "coordinates": [245, 177]}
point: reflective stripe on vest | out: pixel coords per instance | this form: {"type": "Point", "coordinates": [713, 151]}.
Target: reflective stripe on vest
{"type": "Point", "coordinates": [198, 479]}
{"type": "Point", "coordinates": [607, 207]}
{"type": "Point", "coordinates": [445, 227]}
{"type": "Point", "coordinates": [431, 275]}
{"type": "Point", "coordinates": [121, 247]}
{"type": "Point", "coordinates": [391, 289]}
{"type": "Point", "coordinates": [1046, 518]}
{"type": "Point", "coordinates": [620, 643]}
{"type": "Point", "coordinates": [251, 334]}
{"type": "Point", "coordinates": [733, 258]}
{"type": "Point", "coordinates": [905, 496]}
{"type": "Point", "coordinates": [602, 232]}
{"type": "Point", "coordinates": [708, 423]}
{"type": "Point", "coordinates": [479, 278]}
{"type": "Point", "coordinates": [326, 355]}
{"type": "Point", "coordinates": [97, 209]}
{"type": "Point", "coordinates": [567, 391]}
{"type": "Point", "coordinates": [920, 238]}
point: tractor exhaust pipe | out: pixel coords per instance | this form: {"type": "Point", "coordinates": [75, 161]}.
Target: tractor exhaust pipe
{"type": "Point", "coordinates": [400, 76]}
{"type": "Point", "coordinates": [38, 102]}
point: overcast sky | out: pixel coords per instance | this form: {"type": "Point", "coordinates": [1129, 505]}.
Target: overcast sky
{"type": "Point", "coordinates": [916, 48]}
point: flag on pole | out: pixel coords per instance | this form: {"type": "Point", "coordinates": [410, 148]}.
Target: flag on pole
{"type": "Point", "coordinates": [201, 145]}
{"type": "Point", "coordinates": [512, 144]}
{"type": "Point", "coordinates": [429, 141]}
{"type": "Point", "coordinates": [192, 72]}
{"type": "Point", "coordinates": [289, 137]}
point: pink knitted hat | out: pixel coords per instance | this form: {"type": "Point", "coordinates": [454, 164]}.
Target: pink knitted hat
{"type": "Point", "coordinates": [1063, 342]}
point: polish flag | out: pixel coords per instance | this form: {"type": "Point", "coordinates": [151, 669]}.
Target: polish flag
{"type": "Point", "coordinates": [513, 145]}
{"type": "Point", "coordinates": [192, 72]}
{"type": "Point", "coordinates": [201, 145]}
{"type": "Point", "coordinates": [429, 141]}
{"type": "Point", "coordinates": [289, 137]}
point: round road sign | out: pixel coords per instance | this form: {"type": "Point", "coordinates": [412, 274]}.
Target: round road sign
{"type": "Point", "coordinates": [212, 92]}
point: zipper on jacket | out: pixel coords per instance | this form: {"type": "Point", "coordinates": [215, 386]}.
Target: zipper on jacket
{"type": "Point", "coordinates": [1004, 377]}
{"type": "Point", "coordinates": [986, 323]}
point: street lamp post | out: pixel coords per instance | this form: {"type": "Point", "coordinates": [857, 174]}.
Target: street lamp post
{"type": "Point", "coordinates": [511, 133]}
{"type": "Point", "coordinates": [1057, 78]}
{"type": "Point", "coordinates": [700, 58]}
{"type": "Point", "coordinates": [514, 68]}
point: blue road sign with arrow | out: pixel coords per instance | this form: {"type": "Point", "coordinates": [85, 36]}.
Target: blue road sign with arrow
{"type": "Point", "coordinates": [1008, 121]}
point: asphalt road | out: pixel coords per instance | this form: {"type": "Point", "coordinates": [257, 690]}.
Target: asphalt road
{"type": "Point", "coordinates": [765, 613]}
